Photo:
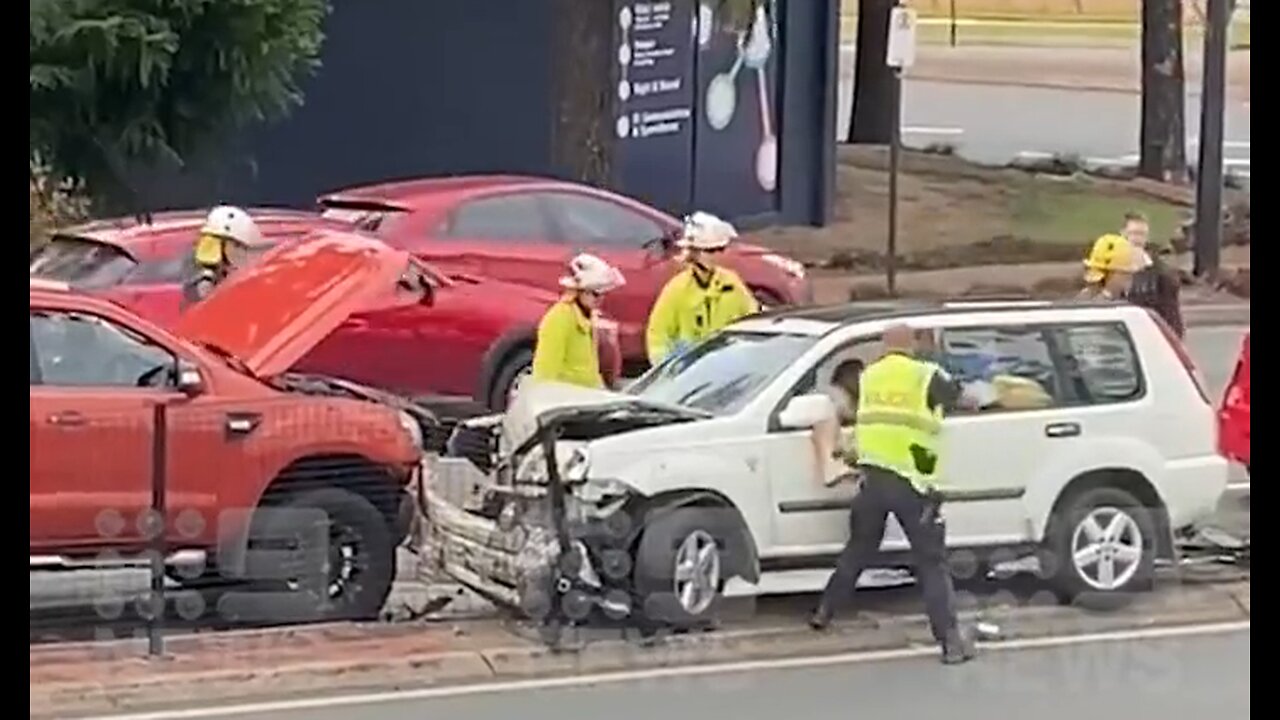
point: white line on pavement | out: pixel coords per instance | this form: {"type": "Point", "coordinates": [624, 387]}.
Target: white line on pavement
{"type": "Point", "coordinates": [1238, 485]}
{"type": "Point", "coordinates": [666, 672]}
{"type": "Point", "coordinates": [922, 130]}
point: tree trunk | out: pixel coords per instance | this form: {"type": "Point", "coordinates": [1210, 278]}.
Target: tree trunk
{"type": "Point", "coordinates": [581, 56]}
{"type": "Point", "coordinates": [1163, 134]}
{"type": "Point", "coordinates": [871, 120]}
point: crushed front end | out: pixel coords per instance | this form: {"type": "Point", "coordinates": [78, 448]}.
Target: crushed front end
{"type": "Point", "coordinates": [533, 531]}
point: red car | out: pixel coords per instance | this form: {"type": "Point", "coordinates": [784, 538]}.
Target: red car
{"type": "Point", "coordinates": [472, 344]}
{"type": "Point", "coordinates": [1233, 417]}
{"type": "Point", "coordinates": [524, 230]}
{"type": "Point", "coordinates": [243, 434]}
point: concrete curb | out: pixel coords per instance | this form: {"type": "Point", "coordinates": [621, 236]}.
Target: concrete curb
{"type": "Point", "coordinates": [1216, 314]}
{"type": "Point", "coordinates": [1182, 607]}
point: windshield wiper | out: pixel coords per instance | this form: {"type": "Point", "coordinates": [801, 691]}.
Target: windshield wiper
{"type": "Point", "coordinates": [227, 357]}
{"type": "Point", "coordinates": [684, 399]}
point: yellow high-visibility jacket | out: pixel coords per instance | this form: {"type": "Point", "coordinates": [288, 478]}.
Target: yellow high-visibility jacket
{"type": "Point", "coordinates": [688, 311]}
{"type": "Point", "coordinates": [566, 347]}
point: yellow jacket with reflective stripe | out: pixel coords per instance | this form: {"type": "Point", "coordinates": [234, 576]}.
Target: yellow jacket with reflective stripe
{"type": "Point", "coordinates": [687, 311]}
{"type": "Point", "coordinates": [566, 347]}
{"type": "Point", "coordinates": [894, 414]}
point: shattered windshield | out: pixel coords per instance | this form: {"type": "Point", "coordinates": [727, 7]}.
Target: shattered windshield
{"type": "Point", "coordinates": [724, 373]}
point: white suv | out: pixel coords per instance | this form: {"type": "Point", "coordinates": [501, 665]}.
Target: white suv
{"type": "Point", "coordinates": [1095, 447]}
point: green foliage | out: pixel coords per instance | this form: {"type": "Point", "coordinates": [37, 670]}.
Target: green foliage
{"type": "Point", "coordinates": [121, 83]}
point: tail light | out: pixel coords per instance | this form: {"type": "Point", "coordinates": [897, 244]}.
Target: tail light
{"type": "Point", "coordinates": [1184, 357]}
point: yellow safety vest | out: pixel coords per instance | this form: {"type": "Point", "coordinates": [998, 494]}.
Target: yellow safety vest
{"type": "Point", "coordinates": [687, 312]}
{"type": "Point", "coordinates": [566, 347]}
{"type": "Point", "coordinates": [894, 415]}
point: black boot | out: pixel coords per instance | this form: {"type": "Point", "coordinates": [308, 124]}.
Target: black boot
{"type": "Point", "coordinates": [958, 648]}
{"type": "Point", "coordinates": [821, 618]}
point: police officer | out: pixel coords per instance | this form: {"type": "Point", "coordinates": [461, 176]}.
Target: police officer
{"type": "Point", "coordinates": [566, 349]}
{"type": "Point", "coordinates": [702, 298]}
{"type": "Point", "coordinates": [225, 236]}
{"type": "Point", "coordinates": [901, 401]}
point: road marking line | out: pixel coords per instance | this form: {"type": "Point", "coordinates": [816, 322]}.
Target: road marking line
{"type": "Point", "coordinates": [924, 130]}
{"type": "Point", "coordinates": [316, 703]}
{"type": "Point", "coordinates": [1238, 485]}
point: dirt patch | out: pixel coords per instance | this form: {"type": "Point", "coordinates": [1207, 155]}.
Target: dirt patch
{"type": "Point", "coordinates": [954, 213]}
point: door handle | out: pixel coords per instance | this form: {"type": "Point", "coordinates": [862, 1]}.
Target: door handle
{"type": "Point", "coordinates": [70, 418]}
{"type": "Point", "coordinates": [1061, 430]}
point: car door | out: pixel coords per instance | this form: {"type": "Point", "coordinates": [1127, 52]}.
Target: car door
{"type": "Point", "coordinates": [629, 241]}
{"type": "Point", "coordinates": [993, 451]}
{"type": "Point", "coordinates": [507, 237]}
{"type": "Point", "coordinates": [91, 429]}
{"type": "Point", "coordinates": [811, 520]}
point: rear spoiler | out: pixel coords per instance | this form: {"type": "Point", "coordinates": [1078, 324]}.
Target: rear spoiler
{"type": "Point", "coordinates": [340, 202]}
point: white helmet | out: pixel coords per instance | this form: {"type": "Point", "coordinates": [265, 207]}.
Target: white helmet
{"type": "Point", "coordinates": [232, 223]}
{"type": "Point", "coordinates": [590, 273]}
{"type": "Point", "coordinates": [704, 231]}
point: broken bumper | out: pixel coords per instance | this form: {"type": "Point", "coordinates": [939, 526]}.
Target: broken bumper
{"type": "Point", "coordinates": [512, 567]}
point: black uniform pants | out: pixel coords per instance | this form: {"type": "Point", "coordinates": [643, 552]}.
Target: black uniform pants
{"type": "Point", "coordinates": [885, 492]}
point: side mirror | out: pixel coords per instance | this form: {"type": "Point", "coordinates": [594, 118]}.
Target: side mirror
{"type": "Point", "coordinates": [190, 382]}
{"type": "Point", "coordinates": [807, 411]}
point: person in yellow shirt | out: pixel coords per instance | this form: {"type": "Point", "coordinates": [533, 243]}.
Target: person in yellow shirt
{"type": "Point", "coordinates": [703, 297]}
{"type": "Point", "coordinates": [1109, 268]}
{"type": "Point", "coordinates": [566, 346]}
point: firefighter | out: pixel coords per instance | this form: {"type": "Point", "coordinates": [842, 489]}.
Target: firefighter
{"type": "Point", "coordinates": [1109, 268]}
{"type": "Point", "coordinates": [703, 297]}
{"type": "Point", "coordinates": [901, 403]}
{"type": "Point", "coordinates": [227, 234]}
{"type": "Point", "coordinates": [566, 345]}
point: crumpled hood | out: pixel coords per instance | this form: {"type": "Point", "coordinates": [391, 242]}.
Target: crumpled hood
{"type": "Point", "coordinates": [536, 398]}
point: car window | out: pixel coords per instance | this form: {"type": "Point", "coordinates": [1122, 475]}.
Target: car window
{"type": "Point", "coordinates": [83, 263]}
{"type": "Point", "coordinates": [586, 220]}
{"type": "Point", "coordinates": [1101, 362]}
{"type": "Point", "coordinates": [160, 271]}
{"type": "Point", "coordinates": [832, 375]}
{"type": "Point", "coordinates": [723, 373]}
{"type": "Point", "coordinates": [1001, 368]}
{"type": "Point", "coordinates": [509, 217]}
{"type": "Point", "coordinates": [71, 349]}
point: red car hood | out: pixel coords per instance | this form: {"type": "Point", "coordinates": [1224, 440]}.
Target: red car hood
{"type": "Point", "coordinates": [273, 313]}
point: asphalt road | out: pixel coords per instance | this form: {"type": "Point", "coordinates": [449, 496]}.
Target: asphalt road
{"type": "Point", "coordinates": [1213, 347]}
{"type": "Point", "coordinates": [995, 124]}
{"type": "Point", "coordinates": [1170, 678]}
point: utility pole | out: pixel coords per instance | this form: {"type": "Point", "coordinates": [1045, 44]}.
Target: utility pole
{"type": "Point", "coordinates": [1209, 180]}
{"type": "Point", "coordinates": [899, 56]}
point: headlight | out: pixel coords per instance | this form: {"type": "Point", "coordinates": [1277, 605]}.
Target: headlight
{"type": "Point", "coordinates": [575, 471]}
{"type": "Point", "coordinates": [596, 492]}
{"type": "Point", "coordinates": [411, 427]}
{"type": "Point", "coordinates": [785, 264]}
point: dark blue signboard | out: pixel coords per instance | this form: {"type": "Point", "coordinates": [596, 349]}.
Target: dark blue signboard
{"type": "Point", "coordinates": [736, 148]}
{"type": "Point", "coordinates": [654, 100]}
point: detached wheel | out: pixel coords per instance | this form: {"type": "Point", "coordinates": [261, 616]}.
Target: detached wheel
{"type": "Point", "coordinates": [507, 381]}
{"type": "Point", "coordinates": [360, 562]}
{"type": "Point", "coordinates": [1102, 548]}
{"type": "Point", "coordinates": [680, 568]}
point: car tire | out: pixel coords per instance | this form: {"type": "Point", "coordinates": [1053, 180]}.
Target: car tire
{"type": "Point", "coordinates": [1101, 548]}
{"type": "Point", "coordinates": [517, 366]}
{"type": "Point", "coordinates": [680, 568]}
{"type": "Point", "coordinates": [362, 555]}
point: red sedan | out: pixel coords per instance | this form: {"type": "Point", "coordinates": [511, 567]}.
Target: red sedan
{"type": "Point", "coordinates": [1233, 417]}
{"type": "Point", "coordinates": [524, 230]}
{"type": "Point", "coordinates": [474, 342]}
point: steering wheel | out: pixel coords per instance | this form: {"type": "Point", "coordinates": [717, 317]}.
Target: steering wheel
{"type": "Point", "coordinates": [146, 378]}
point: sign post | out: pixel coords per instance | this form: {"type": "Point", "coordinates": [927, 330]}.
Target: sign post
{"type": "Point", "coordinates": [900, 55]}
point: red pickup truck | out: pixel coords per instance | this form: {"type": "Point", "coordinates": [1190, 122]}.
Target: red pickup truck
{"type": "Point", "coordinates": [251, 449]}
{"type": "Point", "coordinates": [1233, 416]}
